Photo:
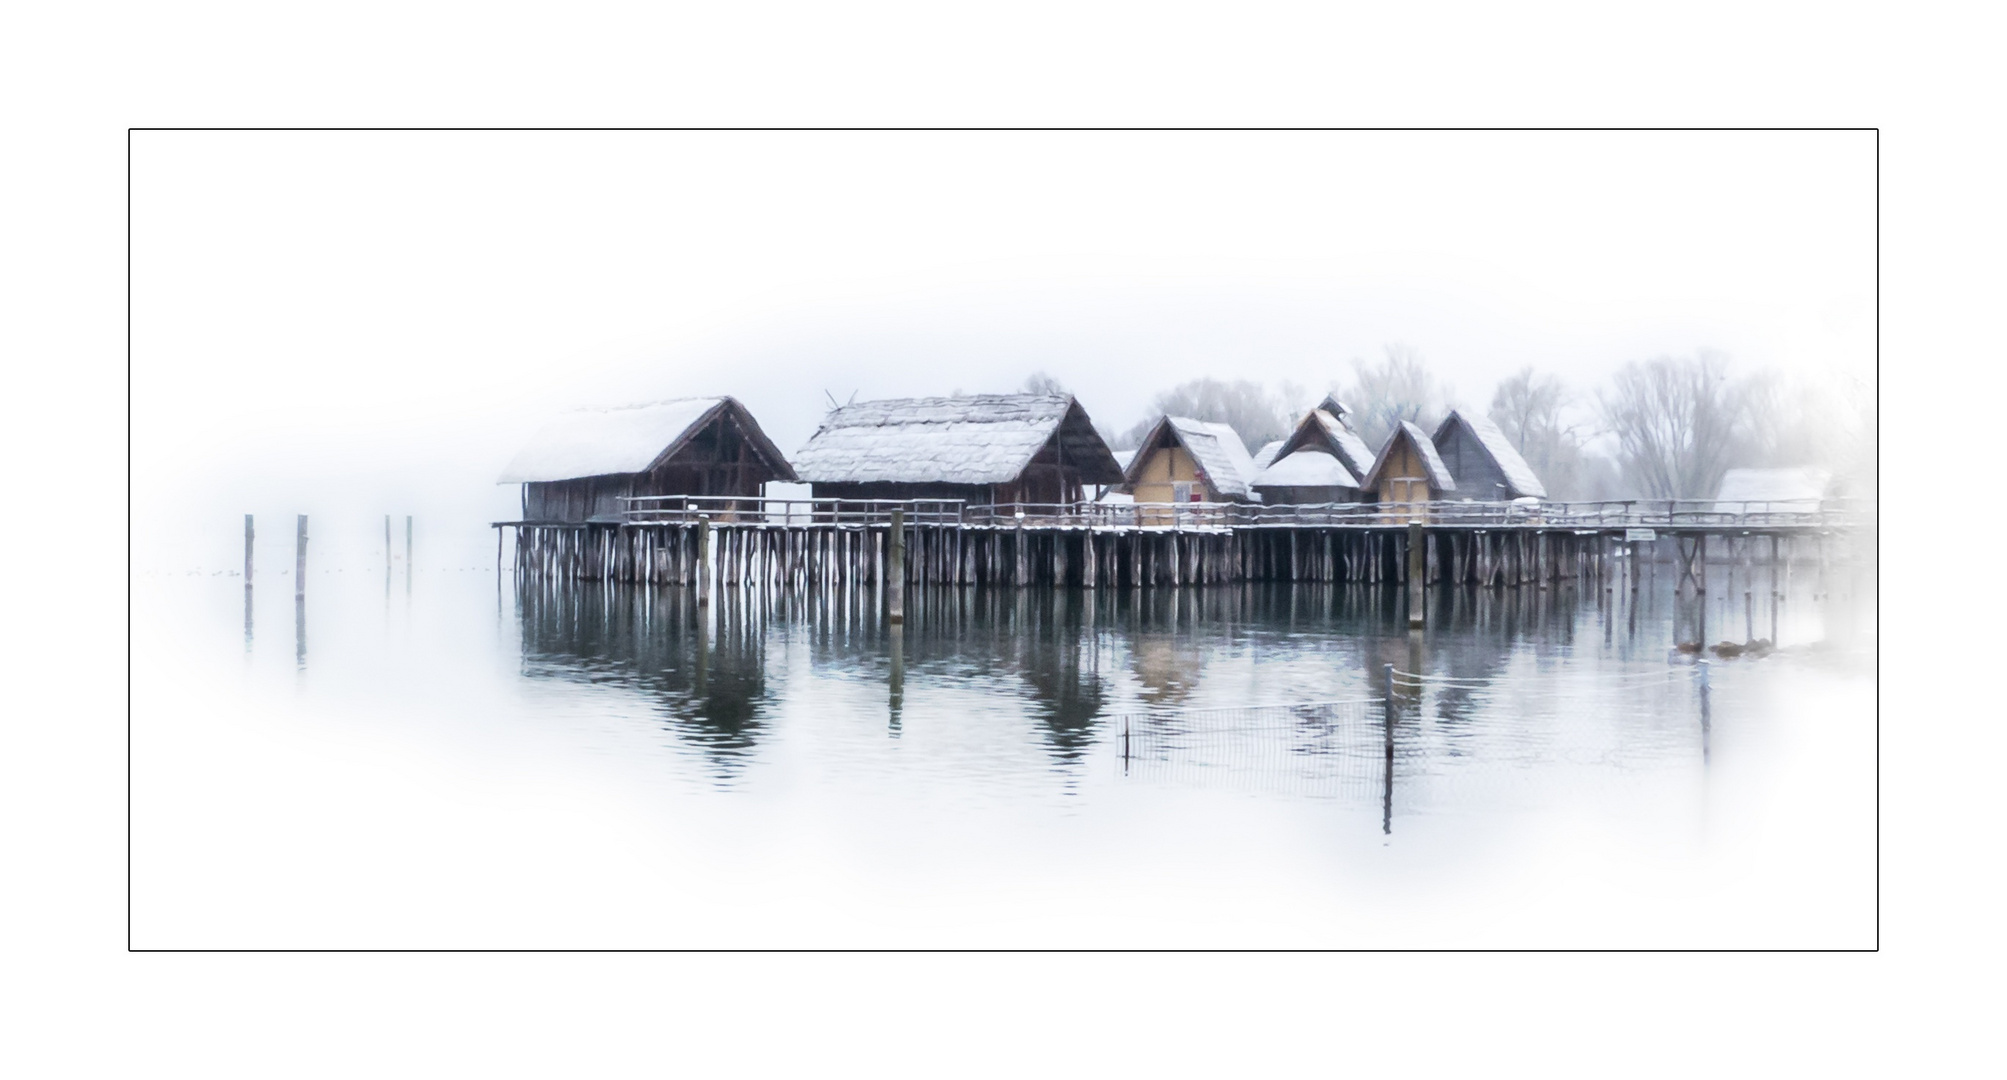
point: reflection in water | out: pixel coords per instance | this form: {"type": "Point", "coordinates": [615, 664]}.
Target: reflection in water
{"type": "Point", "coordinates": [300, 631]}
{"type": "Point", "coordinates": [713, 694]}
{"type": "Point", "coordinates": [1508, 683]}
{"type": "Point", "coordinates": [247, 619]}
{"type": "Point", "coordinates": [898, 679]}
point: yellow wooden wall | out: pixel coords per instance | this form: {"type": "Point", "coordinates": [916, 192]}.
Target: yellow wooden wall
{"type": "Point", "coordinates": [1405, 479]}
{"type": "Point", "coordinates": [1163, 467]}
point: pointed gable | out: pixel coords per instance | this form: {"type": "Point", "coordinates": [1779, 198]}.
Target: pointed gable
{"type": "Point", "coordinates": [1486, 439]}
{"type": "Point", "coordinates": [977, 439]}
{"type": "Point", "coordinates": [1410, 434]}
{"type": "Point", "coordinates": [1326, 430]}
{"type": "Point", "coordinates": [1222, 459]}
{"type": "Point", "coordinates": [631, 439]}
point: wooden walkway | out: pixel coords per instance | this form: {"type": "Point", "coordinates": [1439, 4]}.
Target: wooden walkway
{"type": "Point", "coordinates": [820, 543]}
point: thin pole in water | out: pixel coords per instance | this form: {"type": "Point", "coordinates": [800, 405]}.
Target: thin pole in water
{"type": "Point", "coordinates": [250, 534]}
{"type": "Point", "coordinates": [1706, 719]}
{"type": "Point", "coordinates": [300, 560]}
{"type": "Point", "coordinates": [1387, 786]}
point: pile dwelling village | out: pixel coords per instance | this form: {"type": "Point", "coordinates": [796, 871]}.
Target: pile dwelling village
{"type": "Point", "coordinates": [1021, 490]}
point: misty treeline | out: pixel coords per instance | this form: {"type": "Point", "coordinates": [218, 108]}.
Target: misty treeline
{"type": "Point", "coordinates": [1666, 427]}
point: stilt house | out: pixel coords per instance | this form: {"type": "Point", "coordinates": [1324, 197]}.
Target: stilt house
{"type": "Point", "coordinates": [1183, 460]}
{"type": "Point", "coordinates": [1320, 462]}
{"type": "Point", "coordinates": [1408, 474]}
{"type": "Point", "coordinates": [580, 465]}
{"type": "Point", "coordinates": [984, 449]}
{"type": "Point", "coordinates": [1486, 465]}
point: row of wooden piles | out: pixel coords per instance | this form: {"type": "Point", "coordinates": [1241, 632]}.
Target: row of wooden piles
{"type": "Point", "coordinates": [776, 557]}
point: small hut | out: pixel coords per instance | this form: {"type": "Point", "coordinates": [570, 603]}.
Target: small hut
{"type": "Point", "coordinates": [580, 466]}
{"type": "Point", "coordinates": [1486, 466]}
{"type": "Point", "coordinates": [1768, 491]}
{"type": "Point", "coordinates": [984, 449]}
{"type": "Point", "coordinates": [1184, 461]}
{"type": "Point", "coordinates": [1408, 474]}
{"type": "Point", "coordinates": [1320, 462]}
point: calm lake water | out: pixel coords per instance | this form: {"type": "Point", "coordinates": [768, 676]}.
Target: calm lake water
{"type": "Point", "coordinates": [442, 759]}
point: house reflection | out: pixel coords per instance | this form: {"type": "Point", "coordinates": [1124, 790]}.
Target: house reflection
{"type": "Point", "coordinates": [705, 676]}
{"type": "Point", "coordinates": [1042, 638]}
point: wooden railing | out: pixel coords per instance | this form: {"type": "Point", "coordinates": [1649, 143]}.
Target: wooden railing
{"type": "Point", "coordinates": [1614, 514]}
{"type": "Point", "coordinates": [792, 513]}
{"type": "Point", "coordinates": [1205, 516]}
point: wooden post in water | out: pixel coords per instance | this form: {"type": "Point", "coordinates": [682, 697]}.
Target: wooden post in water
{"type": "Point", "coordinates": [895, 574]}
{"type": "Point", "coordinates": [300, 560]}
{"type": "Point", "coordinates": [407, 543]}
{"type": "Point", "coordinates": [703, 559]}
{"type": "Point", "coordinates": [1417, 575]}
{"type": "Point", "coordinates": [250, 534]}
{"type": "Point", "coordinates": [1700, 584]}
{"type": "Point", "coordinates": [1773, 588]}
{"type": "Point", "coordinates": [1387, 796]}
{"type": "Point", "coordinates": [1023, 556]}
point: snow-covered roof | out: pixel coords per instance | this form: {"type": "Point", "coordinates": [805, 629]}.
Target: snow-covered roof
{"type": "Point", "coordinates": [1357, 456]}
{"type": "Point", "coordinates": [1797, 486]}
{"type": "Point", "coordinates": [1519, 475]}
{"type": "Point", "coordinates": [1266, 455]}
{"type": "Point", "coordinates": [626, 439]}
{"type": "Point", "coordinates": [1307, 468]}
{"type": "Point", "coordinates": [1432, 462]}
{"type": "Point", "coordinates": [1217, 450]}
{"type": "Point", "coordinates": [976, 439]}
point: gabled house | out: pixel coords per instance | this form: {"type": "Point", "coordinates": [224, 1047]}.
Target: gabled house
{"type": "Point", "coordinates": [1320, 462]}
{"type": "Point", "coordinates": [984, 449]}
{"type": "Point", "coordinates": [1486, 465]}
{"type": "Point", "coordinates": [1408, 474]}
{"type": "Point", "coordinates": [578, 467]}
{"type": "Point", "coordinates": [1183, 460]}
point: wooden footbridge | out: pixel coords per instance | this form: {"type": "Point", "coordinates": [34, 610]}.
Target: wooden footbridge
{"type": "Point", "coordinates": [727, 542]}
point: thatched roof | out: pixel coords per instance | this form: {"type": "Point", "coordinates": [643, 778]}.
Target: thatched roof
{"type": "Point", "coordinates": [1321, 427]}
{"type": "Point", "coordinates": [1438, 474]}
{"type": "Point", "coordinates": [1519, 476]}
{"type": "Point", "coordinates": [977, 439]}
{"type": "Point", "coordinates": [1307, 468]}
{"type": "Point", "coordinates": [1222, 458]}
{"type": "Point", "coordinates": [630, 439]}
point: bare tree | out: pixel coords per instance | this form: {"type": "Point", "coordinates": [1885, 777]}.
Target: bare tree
{"type": "Point", "coordinates": [1679, 423]}
{"type": "Point", "coordinates": [1533, 412]}
{"type": "Point", "coordinates": [1398, 388]}
{"type": "Point", "coordinates": [1527, 407]}
{"type": "Point", "coordinates": [1041, 383]}
{"type": "Point", "coordinates": [1253, 413]}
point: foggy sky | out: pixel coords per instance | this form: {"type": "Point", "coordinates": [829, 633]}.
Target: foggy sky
{"type": "Point", "coordinates": [355, 323]}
